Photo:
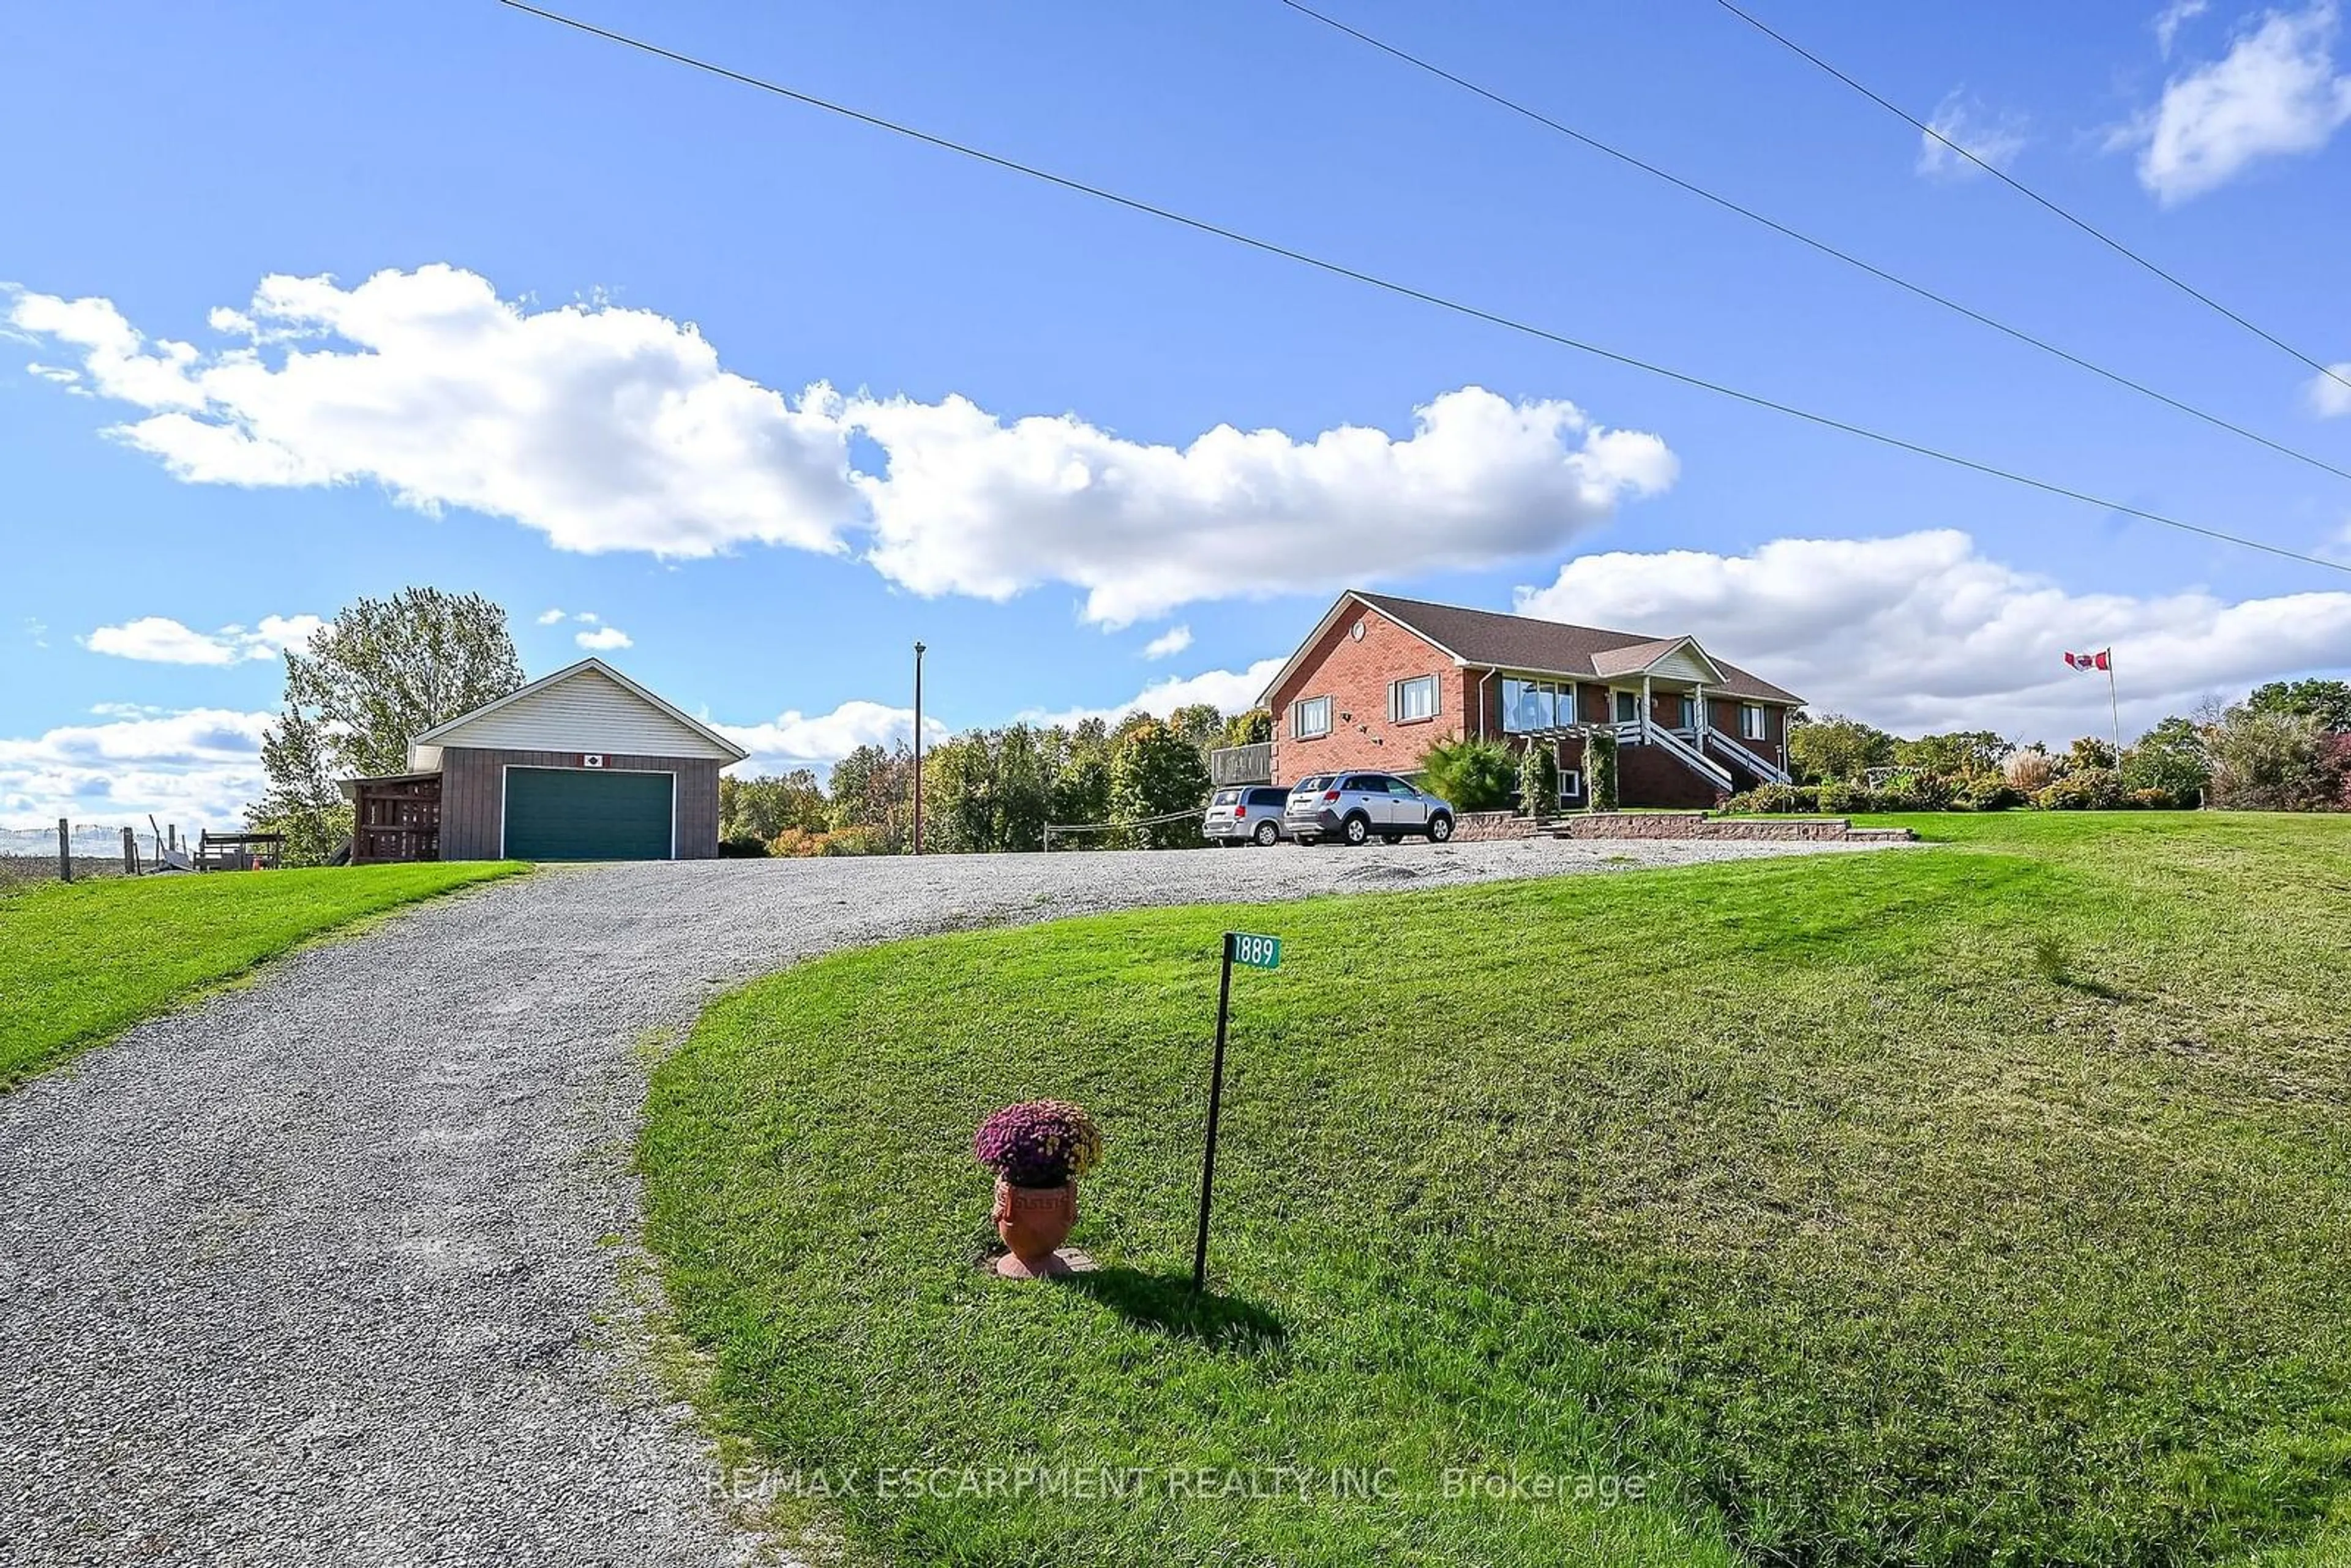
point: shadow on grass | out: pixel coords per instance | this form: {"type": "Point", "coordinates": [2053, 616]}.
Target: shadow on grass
{"type": "Point", "coordinates": [2050, 960]}
{"type": "Point", "coordinates": [1168, 1302]}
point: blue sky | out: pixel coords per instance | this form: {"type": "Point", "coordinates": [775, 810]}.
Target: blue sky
{"type": "Point", "coordinates": [606, 283]}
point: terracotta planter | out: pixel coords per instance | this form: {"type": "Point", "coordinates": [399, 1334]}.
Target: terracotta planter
{"type": "Point", "coordinates": [1034, 1221]}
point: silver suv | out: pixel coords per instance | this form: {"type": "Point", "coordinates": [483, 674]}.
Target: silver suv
{"type": "Point", "coordinates": [1357, 807]}
{"type": "Point", "coordinates": [1250, 813]}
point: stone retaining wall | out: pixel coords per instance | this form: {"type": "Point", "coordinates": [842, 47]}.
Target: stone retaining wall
{"type": "Point", "coordinates": [1700, 825]}
{"type": "Point", "coordinates": [1483, 827]}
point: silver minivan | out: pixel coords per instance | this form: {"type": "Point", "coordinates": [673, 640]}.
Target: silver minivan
{"type": "Point", "coordinates": [1358, 807]}
{"type": "Point", "coordinates": [1248, 814]}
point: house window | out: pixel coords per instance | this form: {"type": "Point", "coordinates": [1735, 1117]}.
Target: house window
{"type": "Point", "coordinates": [1410, 701]}
{"type": "Point", "coordinates": [1628, 707]}
{"type": "Point", "coordinates": [1309, 718]}
{"type": "Point", "coordinates": [1751, 721]}
{"type": "Point", "coordinates": [1689, 713]}
{"type": "Point", "coordinates": [1570, 784]}
{"type": "Point", "coordinates": [1529, 707]}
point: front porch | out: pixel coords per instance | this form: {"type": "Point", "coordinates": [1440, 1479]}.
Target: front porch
{"type": "Point", "coordinates": [1676, 740]}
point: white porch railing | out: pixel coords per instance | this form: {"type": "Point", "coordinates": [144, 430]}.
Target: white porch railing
{"type": "Point", "coordinates": [1682, 751]}
{"type": "Point", "coordinates": [1752, 761]}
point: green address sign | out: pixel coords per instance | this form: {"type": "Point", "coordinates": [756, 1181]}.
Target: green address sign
{"type": "Point", "coordinates": [1257, 951]}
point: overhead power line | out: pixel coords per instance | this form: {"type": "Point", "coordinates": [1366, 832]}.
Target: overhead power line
{"type": "Point", "coordinates": [1339, 269]}
{"type": "Point", "coordinates": [1823, 247]}
{"type": "Point", "coordinates": [2005, 178]}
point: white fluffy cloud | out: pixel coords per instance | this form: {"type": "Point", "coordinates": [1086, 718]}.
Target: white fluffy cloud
{"type": "Point", "coordinates": [606, 429]}
{"type": "Point", "coordinates": [603, 639]}
{"type": "Point", "coordinates": [1168, 643]}
{"type": "Point", "coordinates": [794, 740]}
{"type": "Point", "coordinates": [196, 768]}
{"type": "Point", "coordinates": [158, 639]}
{"type": "Point", "coordinates": [1233, 691]}
{"type": "Point", "coordinates": [2173, 17]}
{"type": "Point", "coordinates": [973, 505]}
{"type": "Point", "coordinates": [1962, 120]}
{"type": "Point", "coordinates": [1923, 632]}
{"type": "Point", "coordinates": [2276, 93]}
{"type": "Point", "coordinates": [613, 429]}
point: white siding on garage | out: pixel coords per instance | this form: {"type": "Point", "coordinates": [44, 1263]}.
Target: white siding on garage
{"type": "Point", "coordinates": [584, 712]}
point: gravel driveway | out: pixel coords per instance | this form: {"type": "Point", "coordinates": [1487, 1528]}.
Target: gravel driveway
{"type": "Point", "coordinates": [330, 1270]}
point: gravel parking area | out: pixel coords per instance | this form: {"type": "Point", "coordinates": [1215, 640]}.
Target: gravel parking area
{"type": "Point", "coordinates": [331, 1269]}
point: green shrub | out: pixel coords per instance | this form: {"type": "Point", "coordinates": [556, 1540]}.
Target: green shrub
{"type": "Point", "coordinates": [1918, 789]}
{"type": "Point", "coordinates": [1775, 799]}
{"type": "Point", "coordinates": [1839, 799]}
{"type": "Point", "coordinates": [1538, 782]}
{"type": "Point", "coordinates": [1600, 769]}
{"type": "Point", "coordinates": [2152, 799]}
{"type": "Point", "coordinates": [742, 847]}
{"type": "Point", "coordinates": [1989, 792]}
{"type": "Point", "coordinates": [2084, 789]}
{"type": "Point", "coordinates": [1475, 775]}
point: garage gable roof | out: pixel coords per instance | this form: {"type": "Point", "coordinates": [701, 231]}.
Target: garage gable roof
{"type": "Point", "coordinates": [586, 707]}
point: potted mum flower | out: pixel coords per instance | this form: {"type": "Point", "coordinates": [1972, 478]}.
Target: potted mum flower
{"type": "Point", "coordinates": [1037, 1150]}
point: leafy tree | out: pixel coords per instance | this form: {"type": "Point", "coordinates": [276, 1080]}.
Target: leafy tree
{"type": "Point", "coordinates": [959, 795]}
{"type": "Point", "coordinates": [299, 796]}
{"type": "Point", "coordinates": [1475, 775]}
{"type": "Point", "coordinates": [1154, 771]}
{"type": "Point", "coordinates": [378, 674]}
{"type": "Point", "coordinates": [1837, 748]}
{"type": "Point", "coordinates": [2335, 763]}
{"type": "Point", "coordinates": [2328, 701]}
{"type": "Point", "coordinates": [1253, 727]}
{"type": "Point", "coordinates": [2169, 757]}
{"type": "Point", "coordinates": [1202, 723]}
{"type": "Point", "coordinates": [1024, 788]}
{"type": "Point", "coordinates": [1080, 777]}
{"type": "Point", "coordinates": [987, 792]}
{"type": "Point", "coordinates": [872, 791]}
{"type": "Point", "coordinates": [764, 805]}
{"type": "Point", "coordinates": [2088, 752]}
{"type": "Point", "coordinates": [1962, 754]}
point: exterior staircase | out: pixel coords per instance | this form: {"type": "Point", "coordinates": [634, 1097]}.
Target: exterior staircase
{"type": "Point", "coordinates": [1670, 742]}
{"type": "Point", "coordinates": [1768, 772]}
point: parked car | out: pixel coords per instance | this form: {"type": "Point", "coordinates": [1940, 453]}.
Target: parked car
{"type": "Point", "coordinates": [1251, 814]}
{"type": "Point", "coordinates": [1356, 807]}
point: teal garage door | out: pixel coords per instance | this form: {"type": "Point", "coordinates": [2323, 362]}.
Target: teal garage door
{"type": "Point", "coordinates": [585, 814]}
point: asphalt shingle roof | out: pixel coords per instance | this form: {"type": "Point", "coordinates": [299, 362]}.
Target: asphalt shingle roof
{"type": "Point", "coordinates": [1551, 647]}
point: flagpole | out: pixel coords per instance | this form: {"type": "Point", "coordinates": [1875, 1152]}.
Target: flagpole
{"type": "Point", "coordinates": [2115, 705]}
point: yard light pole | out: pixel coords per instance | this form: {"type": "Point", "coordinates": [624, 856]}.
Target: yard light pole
{"type": "Point", "coordinates": [918, 748]}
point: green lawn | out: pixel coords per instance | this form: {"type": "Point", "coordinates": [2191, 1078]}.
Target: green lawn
{"type": "Point", "coordinates": [1984, 1205]}
{"type": "Point", "coordinates": [79, 964]}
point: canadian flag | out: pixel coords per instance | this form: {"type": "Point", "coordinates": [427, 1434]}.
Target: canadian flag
{"type": "Point", "coordinates": [2104, 659]}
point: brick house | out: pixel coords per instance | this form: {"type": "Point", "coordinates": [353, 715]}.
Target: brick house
{"type": "Point", "coordinates": [1381, 679]}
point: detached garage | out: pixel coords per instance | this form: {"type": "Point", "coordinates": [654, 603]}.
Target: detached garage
{"type": "Point", "coordinates": [583, 765]}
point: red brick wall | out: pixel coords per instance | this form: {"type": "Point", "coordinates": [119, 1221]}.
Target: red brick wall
{"type": "Point", "coordinates": [1722, 713]}
{"type": "Point", "coordinates": [1355, 676]}
{"type": "Point", "coordinates": [1648, 776]}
